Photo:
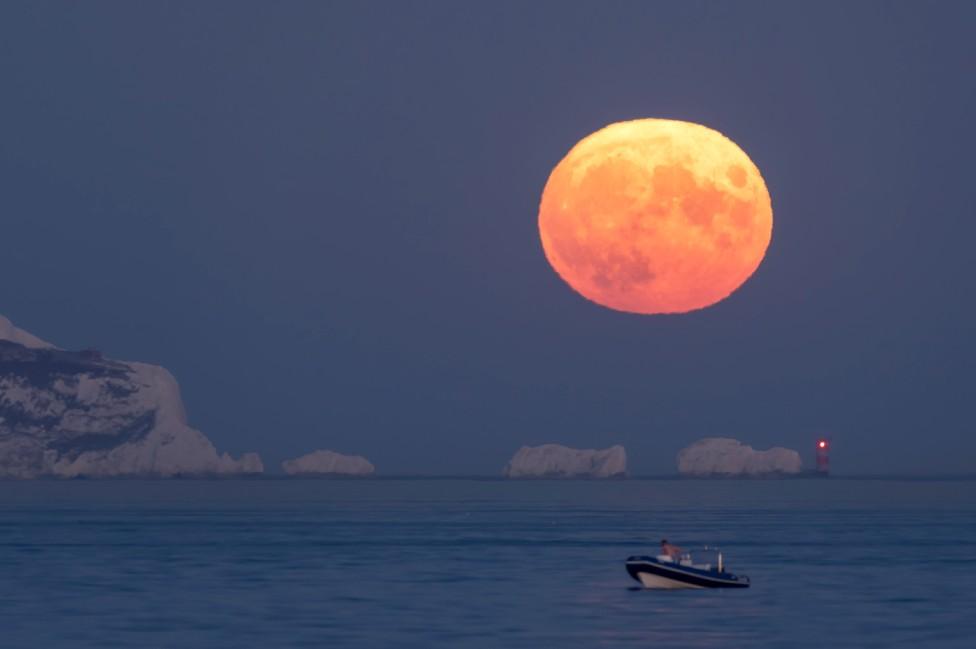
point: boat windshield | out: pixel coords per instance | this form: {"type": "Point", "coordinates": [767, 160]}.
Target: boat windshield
{"type": "Point", "coordinates": [707, 558]}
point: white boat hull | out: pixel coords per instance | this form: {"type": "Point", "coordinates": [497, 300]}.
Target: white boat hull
{"type": "Point", "coordinates": [656, 581]}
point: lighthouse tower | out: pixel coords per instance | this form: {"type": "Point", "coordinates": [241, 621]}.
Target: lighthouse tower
{"type": "Point", "coordinates": [823, 457]}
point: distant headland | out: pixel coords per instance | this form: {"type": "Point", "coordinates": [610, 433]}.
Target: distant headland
{"type": "Point", "coordinates": [78, 414]}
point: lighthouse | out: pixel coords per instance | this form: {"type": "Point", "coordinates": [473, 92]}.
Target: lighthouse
{"type": "Point", "coordinates": [823, 457]}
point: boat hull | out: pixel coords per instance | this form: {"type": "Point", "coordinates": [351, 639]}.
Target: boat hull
{"type": "Point", "coordinates": [652, 573]}
{"type": "Point", "coordinates": [650, 580]}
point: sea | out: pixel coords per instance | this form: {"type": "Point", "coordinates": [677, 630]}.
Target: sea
{"type": "Point", "coordinates": [482, 563]}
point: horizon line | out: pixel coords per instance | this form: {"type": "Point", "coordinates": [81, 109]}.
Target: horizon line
{"type": "Point", "coordinates": [499, 478]}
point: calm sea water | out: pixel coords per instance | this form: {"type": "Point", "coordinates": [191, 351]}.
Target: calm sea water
{"type": "Point", "coordinates": [467, 563]}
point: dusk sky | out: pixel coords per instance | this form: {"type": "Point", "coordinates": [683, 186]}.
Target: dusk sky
{"type": "Point", "coordinates": [322, 218]}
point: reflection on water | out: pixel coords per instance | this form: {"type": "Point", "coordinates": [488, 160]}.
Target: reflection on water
{"type": "Point", "coordinates": [482, 563]}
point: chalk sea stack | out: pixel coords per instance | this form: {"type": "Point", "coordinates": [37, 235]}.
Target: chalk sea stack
{"type": "Point", "coordinates": [556, 461]}
{"type": "Point", "coordinates": [326, 463]}
{"type": "Point", "coordinates": [724, 456]}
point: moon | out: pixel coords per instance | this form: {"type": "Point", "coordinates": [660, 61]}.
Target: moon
{"type": "Point", "coordinates": [655, 216]}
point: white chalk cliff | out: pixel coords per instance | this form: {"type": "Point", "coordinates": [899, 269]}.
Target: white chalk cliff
{"type": "Point", "coordinates": [77, 414]}
{"type": "Point", "coordinates": [723, 456]}
{"type": "Point", "coordinates": [9, 332]}
{"type": "Point", "coordinates": [328, 463]}
{"type": "Point", "coordinates": [556, 461]}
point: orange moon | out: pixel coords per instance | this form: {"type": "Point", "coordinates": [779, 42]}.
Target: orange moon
{"type": "Point", "coordinates": [655, 216]}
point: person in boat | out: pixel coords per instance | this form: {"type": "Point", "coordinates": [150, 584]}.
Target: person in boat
{"type": "Point", "coordinates": [670, 550]}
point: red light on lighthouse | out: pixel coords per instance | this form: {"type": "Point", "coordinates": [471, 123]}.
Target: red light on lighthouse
{"type": "Point", "coordinates": [823, 457]}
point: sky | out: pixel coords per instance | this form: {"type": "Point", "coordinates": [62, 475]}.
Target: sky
{"type": "Point", "coordinates": [322, 218]}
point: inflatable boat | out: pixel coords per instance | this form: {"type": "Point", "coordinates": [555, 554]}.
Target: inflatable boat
{"type": "Point", "coordinates": [665, 572]}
